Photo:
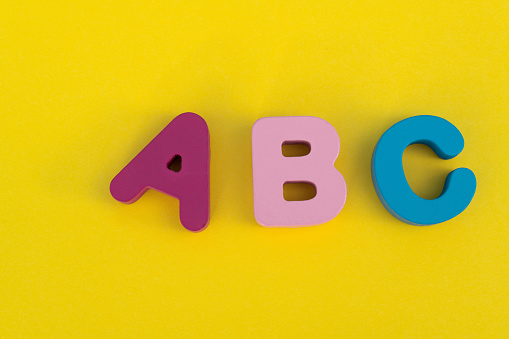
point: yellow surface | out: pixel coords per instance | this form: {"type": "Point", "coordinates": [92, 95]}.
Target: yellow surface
{"type": "Point", "coordinates": [86, 85]}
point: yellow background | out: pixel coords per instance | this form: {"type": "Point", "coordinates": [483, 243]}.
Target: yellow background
{"type": "Point", "coordinates": [85, 85]}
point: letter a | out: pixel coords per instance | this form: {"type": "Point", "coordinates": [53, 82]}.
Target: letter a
{"type": "Point", "coordinates": [186, 139]}
{"type": "Point", "coordinates": [272, 170]}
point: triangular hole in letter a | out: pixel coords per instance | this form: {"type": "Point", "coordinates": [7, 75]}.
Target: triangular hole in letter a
{"type": "Point", "coordinates": [175, 164]}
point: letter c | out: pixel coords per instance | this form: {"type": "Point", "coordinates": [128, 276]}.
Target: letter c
{"type": "Point", "coordinates": [389, 178]}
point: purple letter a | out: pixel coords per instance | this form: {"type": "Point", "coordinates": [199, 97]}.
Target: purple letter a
{"type": "Point", "coordinates": [185, 140]}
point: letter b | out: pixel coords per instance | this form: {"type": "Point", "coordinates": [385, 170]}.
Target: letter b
{"type": "Point", "coordinates": [271, 170]}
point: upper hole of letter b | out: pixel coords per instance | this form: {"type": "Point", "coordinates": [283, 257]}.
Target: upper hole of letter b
{"type": "Point", "coordinates": [295, 148]}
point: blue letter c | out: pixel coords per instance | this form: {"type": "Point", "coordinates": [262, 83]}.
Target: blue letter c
{"type": "Point", "coordinates": [389, 177]}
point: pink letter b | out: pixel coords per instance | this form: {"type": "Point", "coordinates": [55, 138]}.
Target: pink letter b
{"type": "Point", "coordinates": [271, 170]}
